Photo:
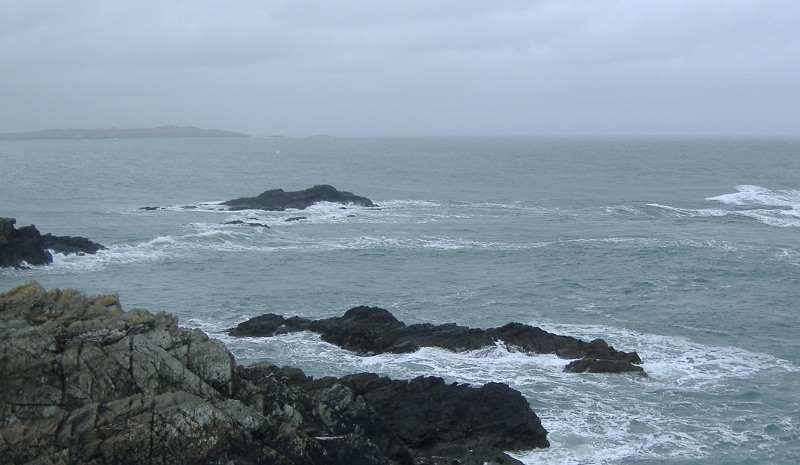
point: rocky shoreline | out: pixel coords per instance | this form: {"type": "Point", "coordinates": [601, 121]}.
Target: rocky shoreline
{"type": "Point", "coordinates": [82, 381]}
{"type": "Point", "coordinates": [372, 330]}
{"type": "Point", "coordinates": [26, 246]}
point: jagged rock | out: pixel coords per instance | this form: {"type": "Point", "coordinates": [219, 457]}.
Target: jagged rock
{"type": "Point", "coordinates": [83, 382]}
{"type": "Point", "coordinates": [279, 200]}
{"type": "Point", "coordinates": [454, 420]}
{"type": "Point", "coordinates": [372, 330]}
{"type": "Point", "coordinates": [21, 245]}
{"type": "Point", "coordinates": [27, 245]}
{"type": "Point", "coordinates": [70, 244]}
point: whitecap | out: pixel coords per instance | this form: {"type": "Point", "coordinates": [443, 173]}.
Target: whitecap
{"type": "Point", "coordinates": [689, 212]}
{"type": "Point", "coordinates": [592, 419]}
{"type": "Point", "coordinates": [677, 360]}
{"type": "Point", "coordinates": [785, 214]}
{"type": "Point", "coordinates": [757, 195]}
{"type": "Point", "coordinates": [780, 217]}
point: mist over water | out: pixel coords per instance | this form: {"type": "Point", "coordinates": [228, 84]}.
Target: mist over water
{"type": "Point", "coordinates": [685, 250]}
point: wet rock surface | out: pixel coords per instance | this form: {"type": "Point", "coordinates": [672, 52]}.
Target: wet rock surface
{"type": "Point", "coordinates": [372, 330]}
{"type": "Point", "coordinates": [279, 200]}
{"type": "Point", "coordinates": [82, 381]}
{"type": "Point", "coordinates": [26, 246]}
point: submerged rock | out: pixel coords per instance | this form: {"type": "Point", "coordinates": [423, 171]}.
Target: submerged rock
{"type": "Point", "coordinates": [372, 330]}
{"type": "Point", "coordinates": [248, 223]}
{"type": "Point", "coordinates": [27, 245]}
{"type": "Point", "coordinates": [279, 200]}
{"type": "Point", "coordinates": [82, 381]}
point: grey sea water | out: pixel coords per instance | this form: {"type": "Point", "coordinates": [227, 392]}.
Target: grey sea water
{"type": "Point", "coordinates": [686, 250]}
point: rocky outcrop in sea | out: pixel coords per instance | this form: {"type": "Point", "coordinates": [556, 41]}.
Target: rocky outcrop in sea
{"type": "Point", "coordinates": [84, 382]}
{"type": "Point", "coordinates": [372, 330]}
{"type": "Point", "coordinates": [279, 200]}
{"type": "Point", "coordinates": [27, 246]}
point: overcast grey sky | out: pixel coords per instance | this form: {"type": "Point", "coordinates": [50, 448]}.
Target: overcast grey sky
{"type": "Point", "coordinates": [359, 67]}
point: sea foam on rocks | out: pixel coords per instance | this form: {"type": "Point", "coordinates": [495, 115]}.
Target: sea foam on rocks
{"type": "Point", "coordinates": [82, 381]}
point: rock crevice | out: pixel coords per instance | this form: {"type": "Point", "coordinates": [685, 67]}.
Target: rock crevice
{"type": "Point", "coordinates": [84, 382]}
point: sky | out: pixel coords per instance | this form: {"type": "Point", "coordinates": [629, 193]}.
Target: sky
{"type": "Point", "coordinates": [404, 68]}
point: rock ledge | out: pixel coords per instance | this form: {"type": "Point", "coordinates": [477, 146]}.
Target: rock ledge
{"type": "Point", "coordinates": [373, 330]}
{"type": "Point", "coordinates": [84, 382]}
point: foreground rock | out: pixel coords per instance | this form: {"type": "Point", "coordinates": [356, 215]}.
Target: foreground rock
{"type": "Point", "coordinates": [279, 200]}
{"type": "Point", "coordinates": [82, 382]}
{"type": "Point", "coordinates": [371, 330]}
{"type": "Point", "coordinates": [27, 245]}
{"type": "Point", "coordinates": [452, 420]}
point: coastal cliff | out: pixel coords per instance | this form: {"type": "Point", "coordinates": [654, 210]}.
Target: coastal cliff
{"type": "Point", "coordinates": [82, 381]}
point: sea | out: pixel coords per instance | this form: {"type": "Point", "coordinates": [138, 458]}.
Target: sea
{"type": "Point", "coordinates": [686, 250]}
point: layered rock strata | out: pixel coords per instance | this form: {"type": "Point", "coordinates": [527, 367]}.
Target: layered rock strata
{"type": "Point", "coordinates": [372, 330]}
{"type": "Point", "coordinates": [84, 382]}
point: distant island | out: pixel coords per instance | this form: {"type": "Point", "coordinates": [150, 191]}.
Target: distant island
{"type": "Point", "coordinates": [161, 132]}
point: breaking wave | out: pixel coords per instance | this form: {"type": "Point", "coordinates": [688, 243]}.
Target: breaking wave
{"type": "Point", "coordinates": [779, 208]}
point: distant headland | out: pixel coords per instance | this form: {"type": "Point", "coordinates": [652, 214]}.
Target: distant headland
{"type": "Point", "coordinates": [161, 132]}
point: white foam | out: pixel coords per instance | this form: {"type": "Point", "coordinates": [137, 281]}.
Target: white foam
{"type": "Point", "coordinates": [790, 256]}
{"type": "Point", "coordinates": [658, 242]}
{"type": "Point", "coordinates": [592, 419]}
{"type": "Point", "coordinates": [622, 209]}
{"type": "Point", "coordinates": [677, 360]}
{"type": "Point", "coordinates": [757, 195]}
{"type": "Point", "coordinates": [786, 213]}
{"type": "Point", "coordinates": [387, 212]}
{"type": "Point", "coordinates": [780, 218]}
{"type": "Point", "coordinates": [688, 212]}
{"type": "Point", "coordinates": [671, 361]}
{"type": "Point", "coordinates": [203, 238]}
{"type": "Point", "coordinates": [120, 254]}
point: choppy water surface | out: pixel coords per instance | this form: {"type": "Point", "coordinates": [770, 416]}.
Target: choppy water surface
{"type": "Point", "coordinates": [685, 250]}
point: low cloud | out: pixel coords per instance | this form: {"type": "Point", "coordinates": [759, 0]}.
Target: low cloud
{"type": "Point", "coordinates": [404, 68]}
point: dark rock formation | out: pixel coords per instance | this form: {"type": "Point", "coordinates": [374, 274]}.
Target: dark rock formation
{"type": "Point", "coordinates": [442, 419]}
{"type": "Point", "coordinates": [82, 382]}
{"type": "Point", "coordinates": [28, 245]}
{"type": "Point", "coordinates": [371, 330]}
{"type": "Point", "coordinates": [248, 223]}
{"type": "Point", "coordinates": [70, 244]}
{"type": "Point", "coordinates": [279, 200]}
{"type": "Point", "coordinates": [21, 245]}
